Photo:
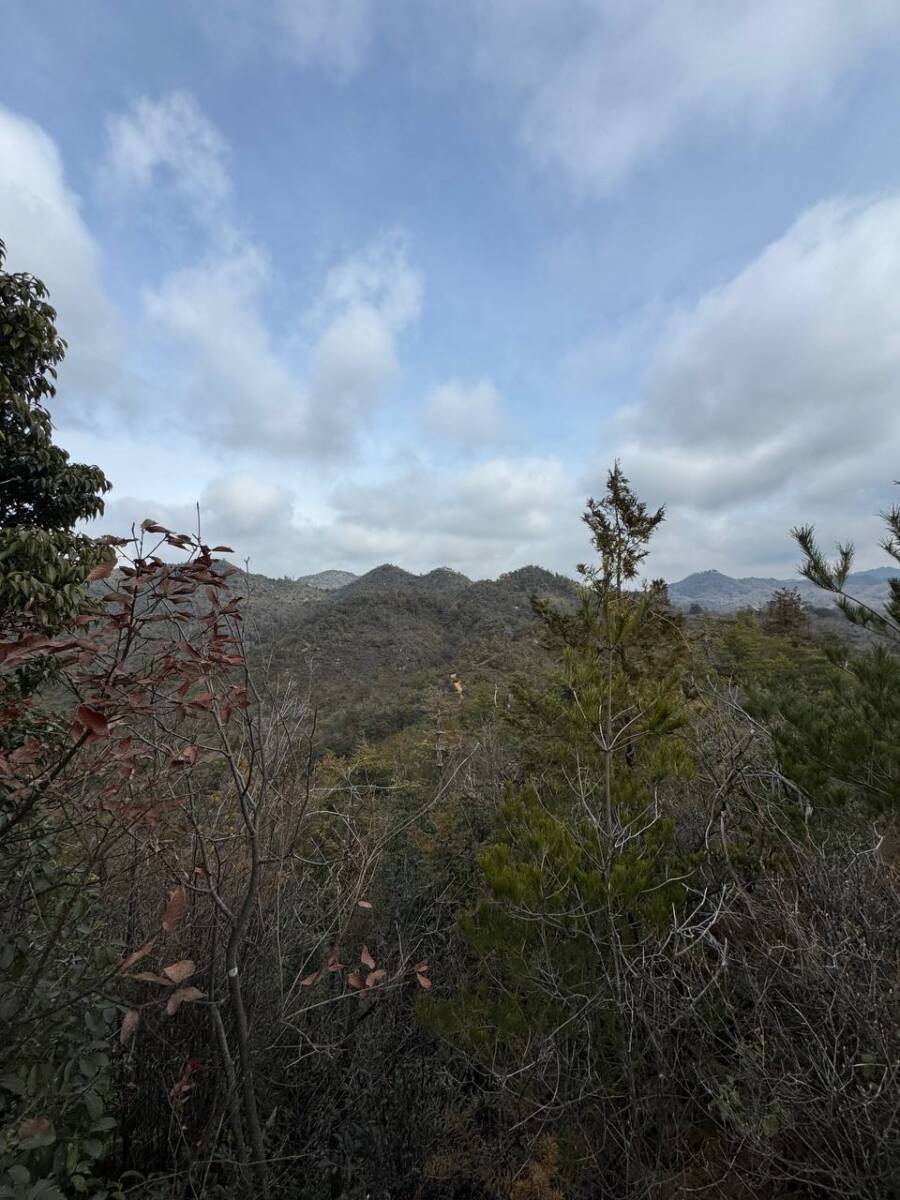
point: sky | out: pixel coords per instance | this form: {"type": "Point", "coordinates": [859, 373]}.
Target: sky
{"type": "Point", "coordinates": [398, 280]}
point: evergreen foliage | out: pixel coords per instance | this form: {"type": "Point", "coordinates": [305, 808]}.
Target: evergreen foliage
{"type": "Point", "coordinates": [837, 731]}
{"type": "Point", "coordinates": [585, 870]}
{"type": "Point", "coordinates": [785, 613]}
{"type": "Point", "coordinates": [43, 564]}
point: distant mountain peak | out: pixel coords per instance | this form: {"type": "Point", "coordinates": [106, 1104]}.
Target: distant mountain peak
{"type": "Point", "coordinates": [328, 580]}
{"type": "Point", "coordinates": [723, 593]}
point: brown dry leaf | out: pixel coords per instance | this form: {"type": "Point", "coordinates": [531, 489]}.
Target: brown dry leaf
{"type": "Point", "coordinates": [356, 980]}
{"type": "Point", "coordinates": [130, 1022]}
{"type": "Point", "coordinates": [179, 971]}
{"type": "Point", "coordinates": [334, 961]}
{"type": "Point", "coordinates": [175, 909]}
{"type": "Point", "coordinates": [375, 977]}
{"type": "Point", "coordinates": [366, 958]}
{"type": "Point", "coordinates": [423, 981]}
{"type": "Point", "coordinates": [101, 571]}
{"type": "Point", "coordinates": [136, 955]}
{"type": "Point", "coordinates": [421, 966]}
{"type": "Point", "coordinates": [183, 995]}
{"type": "Point", "coordinates": [93, 720]}
{"type": "Point", "coordinates": [364, 904]}
{"type": "Point", "coordinates": [152, 977]}
{"type": "Point", "coordinates": [310, 979]}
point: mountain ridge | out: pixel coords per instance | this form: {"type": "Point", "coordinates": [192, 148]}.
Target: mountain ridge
{"type": "Point", "coordinates": [711, 589]}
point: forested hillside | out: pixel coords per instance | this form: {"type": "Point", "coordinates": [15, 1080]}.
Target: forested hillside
{"type": "Point", "coordinates": [414, 886]}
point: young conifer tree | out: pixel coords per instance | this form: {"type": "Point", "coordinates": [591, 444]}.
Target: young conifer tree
{"type": "Point", "coordinates": [842, 745]}
{"type": "Point", "coordinates": [584, 877]}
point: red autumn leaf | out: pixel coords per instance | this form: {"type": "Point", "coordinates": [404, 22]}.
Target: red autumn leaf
{"type": "Point", "coordinates": [189, 755]}
{"type": "Point", "coordinates": [130, 1022]}
{"type": "Point", "coordinates": [183, 995]}
{"type": "Point", "coordinates": [179, 971]}
{"type": "Point", "coordinates": [366, 958]}
{"type": "Point", "coordinates": [356, 981]}
{"type": "Point", "coordinates": [310, 979]}
{"type": "Point", "coordinates": [334, 963]}
{"type": "Point", "coordinates": [375, 977]}
{"type": "Point", "coordinates": [421, 966]}
{"type": "Point", "coordinates": [202, 873]}
{"type": "Point", "coordinates": [175, 909]}
{"type": "Point", "coordinates": [363, 904]}
{"type": "Point", "coordinates": [92, 720]}
{"type": "Point", "coordinates": [423, 981]}
{"type": "Point", "coordinates": [101, 571]}
{"type": "Point", "coordinates": [136, 955]}
{"type": "Point", "coordinates": [222, 550]}
{"type": "Point", "coordinates": [150, 526]}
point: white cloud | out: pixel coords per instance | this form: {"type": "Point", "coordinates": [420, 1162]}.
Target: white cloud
{"type": "Point", "coordinates": [46, 235]}
{"type": "Point", "coordinates": [173, 136]}
{"type": "Point", "coordinates": [484, 519]}
{"type": "Point", "coordinates": [245, 505]}
{"type": "Point", "coordinates": [599, 87]}
{"type": "Point", "coordinates": [246, 386]}
{"type": "Point", "coordinates": [790, 369]}
{"type": "Point", "coordinates": [775, 399]}
{"type": "Point", "coordinates": [378, 278]}
{"type": "Point", "coordinates": [466, 417]}
{"type": "Point", "coordinates": [248, 389]}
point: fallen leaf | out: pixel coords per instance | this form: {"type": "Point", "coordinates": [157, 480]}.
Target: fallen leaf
{"type": "Point", "coordinates": [356, 980]}
{"type": "Point", "coordinates": [364, 904]}
{"type": "Point", "coordinates": [366, 958]}
{"type": "Point", "coordinates": [423, 981]}
{"type": "Point", "coordinates": [375, 977]}
{"type": "Point", "coordinates": [310, 979]}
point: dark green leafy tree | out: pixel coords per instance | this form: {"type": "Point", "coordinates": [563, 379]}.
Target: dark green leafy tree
{"type": "Point", "coordinates": [43, 563]}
